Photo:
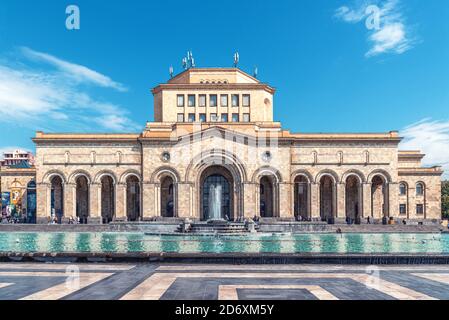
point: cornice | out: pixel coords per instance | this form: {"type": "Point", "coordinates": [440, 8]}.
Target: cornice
{"type": "Point", "coordinates": [205, 86]}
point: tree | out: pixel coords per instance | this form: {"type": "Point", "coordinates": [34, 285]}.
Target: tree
{"type": "Point", "coordinates": [445, 199]}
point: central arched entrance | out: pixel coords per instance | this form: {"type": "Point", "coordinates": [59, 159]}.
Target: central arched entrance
{"type": "Point", "coordinates": [217, 197]}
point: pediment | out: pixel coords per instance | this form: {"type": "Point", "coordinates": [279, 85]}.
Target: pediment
{"type": "Point", "coordinates": [221, 133]}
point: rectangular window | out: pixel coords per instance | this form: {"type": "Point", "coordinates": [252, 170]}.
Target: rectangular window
{"type": "Point", "coordinates": [213, 100]}
{"type": "Point", "coordinates": [191, 117]}
{"type": "Point", "coordinates": [191, 100]}
{"type": "Point", "coordinates": [419, 189]}
{"type": "Point", "coordinates": [224, 100]}
{"type": "Point", "coordinates": [402, 209]}
{"type": "Point", "coordinates": [202, 117]}
{"type": "Point", "coordinates": [213, 117]}
{"type": "Point", "coordinates": [402, 189]}
{"type": "Point", "coordinates": [180, 100]}
{"type": "Point", "coordinates": [180, 117]}
{"type": "Point", "coordinates": [224, 117]}
{"type": "Point", "coordinates": [235, 117]}
{"type": "Point", "coordinates": [246, 100]}
{"type": "Point", "coordinates": [246, 117]}
{"type": "Point", "coordinates": [235, 100]}
{"type": "Point", "coordinates": [202, 100]}
{"type": "Point", "coordinates": [419, 209]}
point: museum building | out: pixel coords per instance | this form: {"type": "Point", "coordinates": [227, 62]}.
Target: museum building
{"type": "Point", "coordinates": [214, 151]}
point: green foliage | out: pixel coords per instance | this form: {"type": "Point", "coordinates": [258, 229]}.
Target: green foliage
{"type": "Point", "coordinates": [445, 199]}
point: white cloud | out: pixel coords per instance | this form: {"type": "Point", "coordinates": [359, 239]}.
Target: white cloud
{"type": "Point", "coordinates": [77, 72]}
{"type": "Point", "coordinates": [26, 94]}
{"type": "Point", "coordinates": [351, 15]}
{"type": "Point", "coordinates": [112, 122]}
{"type": "Point", "coordinates": [392, 36]}
{"type": "Point", "coordinates": [50, 100]}
{"type": "Point", "coordinates": [432, 138]}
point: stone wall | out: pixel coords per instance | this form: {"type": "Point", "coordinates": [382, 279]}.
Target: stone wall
{"type": "Point", "coordinates": [93, 160]}
{"type": "Point", "coordinates": [248, 162]}
{"type": "Point", "coordinates": [260, 109]}
{"type": "Point", "coordinates": [431, 199]}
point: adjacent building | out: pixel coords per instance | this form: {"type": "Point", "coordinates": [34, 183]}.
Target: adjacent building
{"type": "Point", "coordinates": [17, 157]}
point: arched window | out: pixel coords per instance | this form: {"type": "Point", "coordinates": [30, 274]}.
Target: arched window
{"type": "Point", "coordinates": [31, 185]}
{"type": "Point", "coordinates": [419, 189]}
{"type": "Point", "coordinates": [402, 189]}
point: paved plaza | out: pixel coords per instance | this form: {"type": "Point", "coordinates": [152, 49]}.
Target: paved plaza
{"type": "Point", "coordinates": [33, 281]}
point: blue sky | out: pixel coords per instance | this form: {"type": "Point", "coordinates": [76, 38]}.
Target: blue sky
{"type": "Point", "coordinates": [332, 72]}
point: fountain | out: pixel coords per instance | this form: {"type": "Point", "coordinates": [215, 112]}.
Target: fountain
{"type": "Point", "coordinates": [217, 219]}
{"type": "Point", "coordinates": [215, 203]}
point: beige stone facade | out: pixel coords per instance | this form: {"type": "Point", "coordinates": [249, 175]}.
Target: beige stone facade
{"type": "Point", "coordinates": [250, 166]}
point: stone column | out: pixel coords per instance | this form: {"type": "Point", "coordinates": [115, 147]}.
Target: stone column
{"type": "Point", "coordinates": [69, 200]}
{"type": "Point", "coordinates": [120, 202]}
{"type": "Point", "coordinates": [393, 200]}
{"type": "Point", "coordinates": [157, 200]}
{"type": "Point", "coordinates": [361, 200]}
{"type": "Point", "coordinates": [284, 196]}
{"type": "Point", "coordinates": [367, 200]}
{"type": "Point", "coordinates": [334, 200]}
{"type": "Point", "coordinates": [257, 199]}
{"type": "Point", "coordinates": [249, 200]}
{"type": "Point", "coordinates": [148, 207]}
{"type": "Point", "coordinates": [237, 203]}
{"type": "Point", "coordinates": [194, 202]}
{"type": "Point", "coordinates": [292, 199]}
{"type": "Point", "coordinates": [341, 201]}
{"type": "Point", "coordinates": [315, 200]}
{"type": "Point", "coordinates": [43, 201]}
{"type": "Point", "coordinates": [94, 203]}
{"type": "Point", "coordinates": [184, 201]}
{"type": "Point", "coordinates": [309, 200]}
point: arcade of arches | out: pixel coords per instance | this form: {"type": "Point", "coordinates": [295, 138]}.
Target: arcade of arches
{"type": "Point", "coordinates": [107, 194]}
{"type": "Point", "coordinates": [349, 199]}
